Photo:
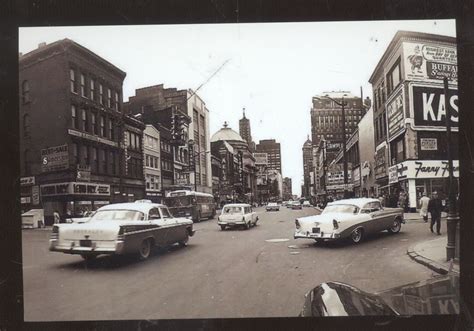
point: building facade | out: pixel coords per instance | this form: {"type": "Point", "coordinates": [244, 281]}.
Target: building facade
{"type": "Point", "coordinates": [366, 154]}
{"type": "Point", "coordinates": [308, 185]}
{"type": "Point", "coordinates": [152, 163]}
{"type": "Point", "coordinates": [410, 114]}
{"type": "Point", "coordinates": [287, 189]}
{"type": "Point", "coordinates": [74, 135]}
{"type": "Point", "coordinates": [245, 131]}
{"type": "Point", "coordinates": [273, 150]}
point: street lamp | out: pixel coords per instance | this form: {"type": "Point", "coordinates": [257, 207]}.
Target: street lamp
{"type": "Point", "coordinates": [342, 104]}
{"type": "Point", "coordinates": [453, 216]}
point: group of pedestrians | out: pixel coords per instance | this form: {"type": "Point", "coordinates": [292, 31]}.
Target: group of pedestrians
{"type": "Point", "coordinates": [434, 206]}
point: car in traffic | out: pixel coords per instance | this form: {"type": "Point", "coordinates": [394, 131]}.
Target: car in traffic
{"type": "Point", "coordinates": [349, 219]}
{"type": "Point", "coordinates": [306, 204]}
{"type": "Point", "coordinates": [272, 206]}
{"type": "Point", "coordinates": [237, 214]}
{"type": "Point", "coordinates": [85, 218]}
{"type": "Point", "coordinates": [296, 205]}
{"type": "Point", "coordinates": [437, 295]}
{"type": "Point", "coordinates": [122, 228]}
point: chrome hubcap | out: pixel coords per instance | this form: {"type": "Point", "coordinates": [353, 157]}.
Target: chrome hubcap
{"type": "Point", "coordinates": [356, 235]}
{"type": "Point", "coordinates": [395, 226]}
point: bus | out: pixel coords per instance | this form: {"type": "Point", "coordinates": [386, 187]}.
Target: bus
{"type": "Point", "coordinates": [191, 204]}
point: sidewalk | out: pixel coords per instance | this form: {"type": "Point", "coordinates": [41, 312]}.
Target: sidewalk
{"type": "Point", "coordinates": [432, 254]}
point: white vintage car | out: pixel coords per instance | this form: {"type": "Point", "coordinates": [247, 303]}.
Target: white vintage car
{"type": "Point", "coordinates": [350, 218]}
{"type": "Point", "coordinates": [236, 214]}
{"type": "Point", "coordinates": [122, 228]}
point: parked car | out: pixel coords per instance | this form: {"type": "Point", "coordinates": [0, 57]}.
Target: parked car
{"type": "Point", "coordinates": [437, 295]}
{"type": "Point", "coordinates": [32, 219]}
{"type": "Point", "coordinates": [306, 204]}
{"type": "Point", "coordinates": [237, 214]}
{"type": "Point", "coordinates": [123, 228]}
{"type": "Point", "coordinates": [288, 205]}
{"type": "Point", "coordinates": [272, 206]}
{"type": "Point", "coordinates": [296, 205]}
{"type": "Point", "coordinates": [350, 218]}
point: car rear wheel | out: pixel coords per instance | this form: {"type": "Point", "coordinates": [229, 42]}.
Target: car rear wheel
{"type": "Point", "coordinates": [396, 226]}
{"type": "Point", "coordinates": [247, 226]}
{"type": "Point", "coordinates": [357, 235]}
{"type": "Point", "coordinates": [145, 249]}
{"type": "Point", "coordinates": [184, 242]}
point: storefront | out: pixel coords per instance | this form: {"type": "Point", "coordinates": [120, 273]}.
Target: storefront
{"type": "Point", "coordinates": [73, 198]}
{"type": "Point", "coordinates": [29, 194]}
{"type": "Point", "coordinates": [416, 177]}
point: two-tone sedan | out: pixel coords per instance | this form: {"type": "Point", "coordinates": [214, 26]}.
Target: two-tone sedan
{"type": "Point", "coordinates": [123, 228]}
{"type": "Point", "coordinates": [349, 219]}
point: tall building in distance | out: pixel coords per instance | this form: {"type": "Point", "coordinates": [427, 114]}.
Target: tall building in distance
{"type": "Point", "coordinates": [287, 189]}
{"type": "Point", "coordinates": [273, 150]}
{"type": "Point", "coordinates": [308, 171]}
{"type": "Point", "coordinates": [245, 132]}
{"type": "Point", "coordinates": [326, 116]}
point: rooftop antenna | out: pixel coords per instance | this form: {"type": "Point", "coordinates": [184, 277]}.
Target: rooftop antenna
{"type": "Point", "coordinates": [207, 80]}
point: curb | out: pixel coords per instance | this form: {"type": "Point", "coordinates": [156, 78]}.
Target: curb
{"type": "Point", "coordinates": [441, 269]}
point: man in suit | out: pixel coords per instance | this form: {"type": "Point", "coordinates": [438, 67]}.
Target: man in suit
{"type": "Point", "coordinates": [434, 208]}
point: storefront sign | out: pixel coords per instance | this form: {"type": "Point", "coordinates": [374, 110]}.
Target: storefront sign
{"type": "Point", "coordinates": [54, 158]}
{"type": "Point", "coordinates": [429, 144]}
{"type": "Point", "coordinates": [395, 115]}
{"type": "Point", "coordinates": [92, 137]}
{"type": "Point", "coordinates": [428, 106]}
{"type": "Point", "coordinates": [25, 200]}
{"type": "Point", "coordinates": [356, 176]}
{"type": "Point", "coordinates": [380, 163]}
{"type": "Point", "coordinates": [83, 173]}
{"type": "Point", "coordinates": [333, 146]}
{"type": "Point", "coordinates": [35, 195]}
{"type": "Point", "coordinates": [392, 175]}
{"type": "Point", "coordinates": [339, 187]}
{"type": "Point", "coordinates": [429, 62]}
{"type": "Point", "coordinates": [261, 158]}
{"type": "Point", "coordinates": [27, 181]}
{"type": "Point", "coordinates": [425, 169]}
{"type": "Point", "coordinates": [73, 188]}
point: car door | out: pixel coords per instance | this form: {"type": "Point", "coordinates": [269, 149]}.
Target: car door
{"type": "Point", "coordinates": [173, 231]}
{"type": "Point", "coordinates": [160, 232]}
{"type": "Point", "coordinates": [378, 216]}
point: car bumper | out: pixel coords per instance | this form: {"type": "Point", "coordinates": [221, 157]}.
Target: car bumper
{"type": "Point", "coordinates": [231, 223]}
{"type": "Point", "coordinates": [317, 236]}
{"type": "Point", "coordinates": [55, 246]}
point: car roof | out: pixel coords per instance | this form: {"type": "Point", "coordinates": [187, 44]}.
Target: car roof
{"type": "Point", "coordinates": [143, 207]}
{"type": "Point", "coordinates": [237, 205]}
{"type": "Point", "coordinates": [359, 202]}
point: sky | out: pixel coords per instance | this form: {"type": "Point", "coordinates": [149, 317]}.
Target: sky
{"type": "Point", "coordinates": [271, 69]}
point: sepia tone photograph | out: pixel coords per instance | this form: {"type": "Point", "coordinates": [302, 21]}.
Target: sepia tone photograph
{"type": "Point", "coordinates": [203, 171]}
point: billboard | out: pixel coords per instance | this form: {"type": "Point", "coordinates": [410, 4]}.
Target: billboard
{"type": "Point", "coordinates": [54, 158]}
{"type": "Point", "coordinates": [428, 106]}
{"type": "Point", "coordinates": [261, 158]}
{"type": "Point", "coordinates": [395, 115]}
{"type": "Point", "coordinates": [430, 62]}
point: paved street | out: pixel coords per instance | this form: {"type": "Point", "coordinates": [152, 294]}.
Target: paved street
{"type": "Point", "coordinates": [232, 273]}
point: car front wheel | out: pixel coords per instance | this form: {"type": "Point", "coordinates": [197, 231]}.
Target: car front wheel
{"type": "Point", "coordinates": [357, 235]}
{"type": "Point", "coordinates": [222, 227]}
{"type": "Point", "coordinates": [396, 226]}
{"type": "Point", "coordinates": [184, 242]}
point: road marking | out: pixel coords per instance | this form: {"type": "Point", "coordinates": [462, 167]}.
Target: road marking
{"type": "Point", "coordinates": [276, 240]}
{"type": "Point", "coordinates": [294, 253]}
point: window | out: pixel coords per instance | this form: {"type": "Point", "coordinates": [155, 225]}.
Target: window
{"type": "Point", "coordinates": [84, 155]}
{"type": "Point", "coordinates": [111, 163]}
{"type": "Point", "coordinates": [92, 89]}
{"type": "Point", "coordinates": [93, 123]}
{"type": "Point", "coordinates": [95, 163]}
{"type": "Point", "coordinates": [147, 161]}
{"type": "Point", "coordinates": [101, 94]}
{"type": "Point", "coordinates": [116, 101]}
{"type": "Point", "coordinates": [103, 161]}
{"type": "Point", "coordinates": [393, 77]}
{"type": "Point", "coordinates": [111, 129]}
{"type": "Point", "coordinates": [25, 92]}
{"type": "Point", "coordinates": [109, 98]}
{"type": "Point", "coordinates": [84, 120]}
{"type": "Point", "coordinates": [26, 125]}
{"type": "Point", "coordinates": [75, 153]}
{"type": "Point", "coordinates": [83, 85]}
{"type": "Point", "coordinates": [73, 117]}
{"type": "Point", "coordinates": [102, 126]}
{"type": "Point", "coordinates": [72, 76]}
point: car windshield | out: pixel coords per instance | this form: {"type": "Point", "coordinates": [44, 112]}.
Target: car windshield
{"type": "Point", "coordinates": [118, 215]}
{"type": "Point", "coordinates": [178, 201]}
{"type": "Point", "coordinates": [346, 209]}
{"type": "Point", "coordinates": [166, 213]}
{"type": "Point", "coordinates": [232, 210]}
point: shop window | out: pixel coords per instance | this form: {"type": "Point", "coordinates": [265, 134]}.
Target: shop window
{"type": "Point", "coordinates": [25, 92]}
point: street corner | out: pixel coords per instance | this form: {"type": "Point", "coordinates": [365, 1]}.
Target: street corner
{"type": "Point", "coordinates": [432, 254]}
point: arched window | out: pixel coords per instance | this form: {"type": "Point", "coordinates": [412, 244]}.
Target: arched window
{"type": "Point", "coordinates": [25, 91]}
{"type": "Point", "coordinates": [26, 125]}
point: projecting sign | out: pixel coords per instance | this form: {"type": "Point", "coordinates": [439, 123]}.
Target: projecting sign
{"type": "Point", "coordinates": [27, 181]}
{"type": "Point", "coordinates": [395, 115]}
{"type": "Point", "coordinates": [35, 195]}
{"type": "Point", "coordinates": [428, 144]}
{"type": "Point", "coordinates": [260, 158]}
{"type": "Point", "coordinates": [83, 173]}
{"type": "Point", "coordinates": [392, 175]}
{"type": "Point", "coordinates": [429, 62]}
{"type": "Point", "coordinates": [54, 158]}
{"type": "Point", "coordinates": [428, 106]}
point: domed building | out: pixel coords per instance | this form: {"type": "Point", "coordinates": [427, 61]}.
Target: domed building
{"type": "Point", "coordinates": [235, 179]}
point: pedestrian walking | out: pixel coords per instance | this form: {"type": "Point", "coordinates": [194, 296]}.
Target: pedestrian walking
{"type": "Point", "coordinates": [434, 208]}
{"type": "Point", "coordinates": [382, 200]}
{"type": "Point", "coordinates": [424, 201]}
{"type": "Point", "coordinates": [56, 216]}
